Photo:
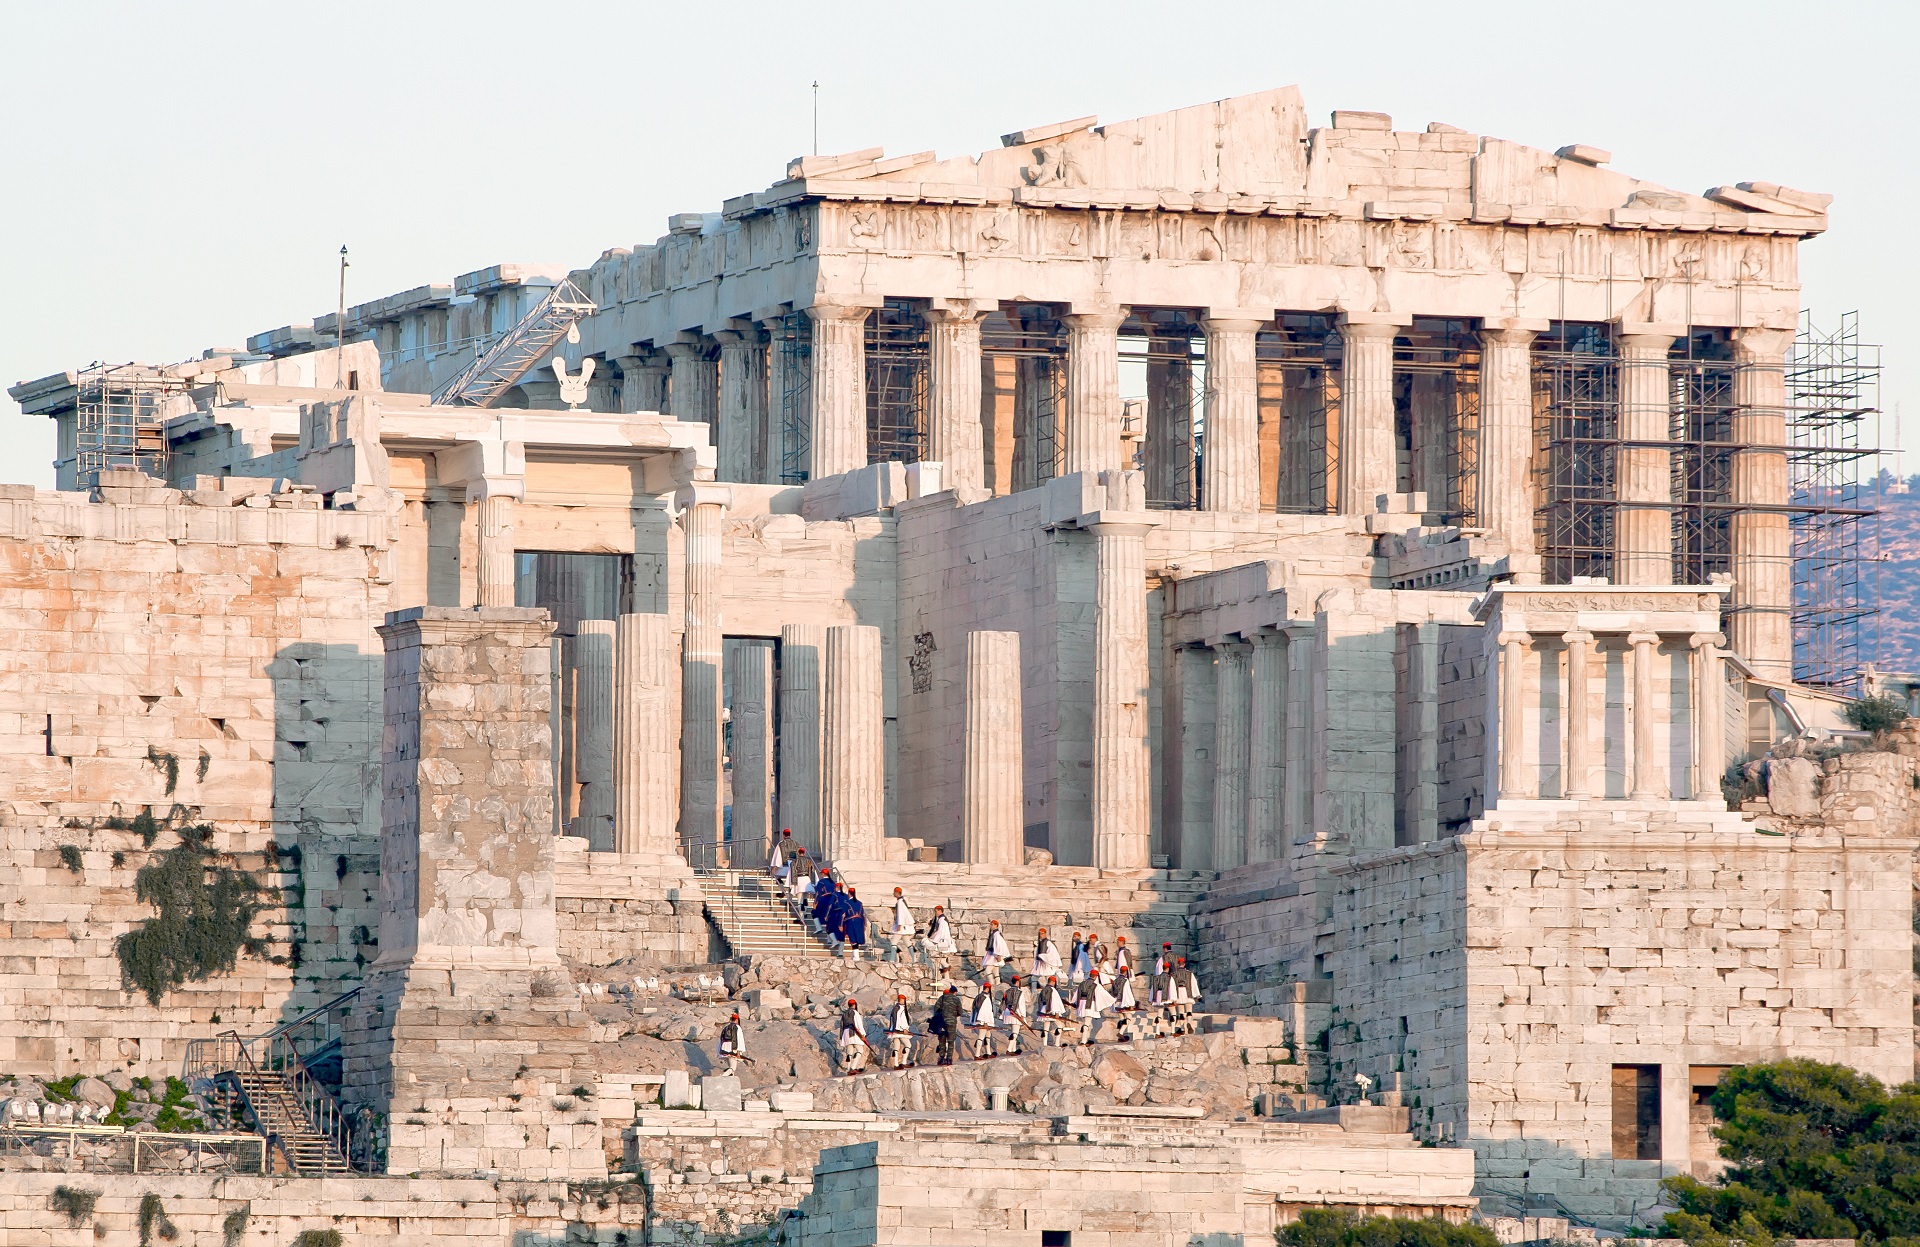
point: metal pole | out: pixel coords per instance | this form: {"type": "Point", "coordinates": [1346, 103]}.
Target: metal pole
{"type": "Point", "coordinates": [340, 328]}
{"type": "Point", "coordinates": [816, 116]}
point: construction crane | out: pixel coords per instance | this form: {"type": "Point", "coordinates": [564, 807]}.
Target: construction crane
{"type": "Point", "coordinates": [516, 353]}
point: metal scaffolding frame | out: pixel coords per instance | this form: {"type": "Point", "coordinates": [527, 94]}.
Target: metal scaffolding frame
{"type": "Point", "coordinates": [792, 343]}
{"type": "Point", "coordinates": [899, 360]}
{"type": "Point", "coordinates": [517, 352]}
{"type": "Point", "coordinates": [1035, 336]}
{"type": "Point", "coordinates": [1160, 337]}
{"type": "Point", "coordinates": [118, 417]}
{"type": "Point", "coordinates": [1443, 355]}
{"type": "Point", "coordinates": [1307, 348]}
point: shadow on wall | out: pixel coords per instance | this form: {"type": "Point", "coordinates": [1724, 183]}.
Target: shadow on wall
{"type": "Point", "coordinates": [327, 707]}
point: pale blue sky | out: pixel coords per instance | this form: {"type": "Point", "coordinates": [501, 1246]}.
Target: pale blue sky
{"type": "Point", "coordinates": [180, 176]}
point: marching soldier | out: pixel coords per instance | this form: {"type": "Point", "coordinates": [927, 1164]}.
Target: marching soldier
{"type": "Point", "coordinates": [853, 1039]}
{"type": "Point", "coordinates": [1046, 956]}
{"type": "Point", "coordinates": [1015, 1007]}
{"type": "Point", "coordinates": [1052, 1012]}
{"type": "Point", "coordinates": [733, 1044]}
{"type": "Point", "coordinates": [939, 939]}
{"type": "Point", "coordinates": [982, 1021]}
{"type": "Point", "coordinates": [899, 1034]}
{"type": "Point", "coordinates": [996, 952]}
{"type": "Point", "coordinates": [1186, 994]}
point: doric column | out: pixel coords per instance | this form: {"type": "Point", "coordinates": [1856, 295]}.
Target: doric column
{"type": "Point", "coordinates": [696, 389]}
{"type": "Point", "coordinates": [743, 402]}
{"type": "Point", "coordinates": [750, 732]}
{"type": "Point", "coordinates": [702, 511]}
{"type": "Point", "coordinates": [953, 416]}
{"type": "Point", "coordinates": [1647, 782]}
{"type": "Point", "coordinates": [1093, 392]}
{"type": "Point", "coordinates": [1231, 754]}
{"type": "Point", "coordinates": [1167, 453]}
{"type": "Point", "coordinates": [853, 811]}
{"type": "Point", "coordinates": [1369, 463]}
{"type": "Point", "coordinates": [1643, 525]}
{"type": "Point", "coordinates": [839, 440]}
{"type": "Point", "coordinates": [646, 736]}
{"type": "Point", "coordinates": [991, 827]}
{"type": "Point", "coordinates": [1299, 767]}
{"type": "Point", "coordinates": [643, 381]}
{"type": "Point", "coordinates": [1761, 620]}
{"type": "Point", "coordinates": [496, 497]}
{"type": "Point", "coordinates": [787, 369]}
{"type": "Point", "coordinates": [1579, 780]}
{"type": "Point", "coordinates": [593, 712]}
{"type": "Point", "coordinates": [1232, 459]}
{"type": "Point", "coordinates": [1121, 783]}
{"type": "Point", "coordinates": [1197, 713]}
{"type": "Point", "coordinates": [1420, 813]}
{"type": "Point", "coordinates": [1709, 714]}
{"type": "Point", "coordinates": [803, 654]}
{"type": "Point", "coordinates": [1267, 756]}
{"type": "Point", "coordinates": [1502, 491]}
{"type": "Point", "coordinates": [1512, 737]}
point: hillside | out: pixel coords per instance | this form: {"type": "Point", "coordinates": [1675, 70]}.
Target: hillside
{"type": "Point", "coordinates": [1898, 621]}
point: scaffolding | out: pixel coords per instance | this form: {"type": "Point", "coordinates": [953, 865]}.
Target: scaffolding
{"type": "Point", "coordinates": [1168, 347]}
{"type": "Point", "coordinates": [792, 346]}
{"type": "Point", "coordinates": [118, 416]}
{"type": "Point", "coordinates": [1307, 350]}
{"type": "Point", "coordinates": [1436, 404]}
{"type": "Point", "coordinates": [1833, 392]}
{"type": "Point", "coordinates": [1036, 340]}
{"type": "Point", "coordinates": [899, 361]}
{"type": "Point", "coordinates": [1831, 387]}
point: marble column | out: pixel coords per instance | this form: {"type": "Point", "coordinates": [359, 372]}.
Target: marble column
{"type": "Point", "coordinates": [1420, 808]}
{"type": "Point", "coordinates": [695, 381]}
{"type": "Point", "coordinates": [1232, 443]}
{"type": "Point", "coordinates": [646, 736]}
{"type": "Point", "coordinates": [1092, 429]}
{"type": "Point", "coordinates": [803, 649]}
{"type": "Point", "coordinates": [1578, 785]}
{"type": "Point", "coordinates": [786, 370]}
{"type": "Point", "coordinates": [751, 753]}
{"type": "Point", "coordinates": [1197, 738]}
{"type": "Point", "coordinates": [1369, 462]}
{"type": "Point", "coordinates": [1648, 784]}
{"type": "Point", "coordinates": [1709, 715]}
{"type": "Point", "coordinates": [743, 401]}
{"type": "Point", "coordinates": [991, 830]}
{"type": "Point", "coordinates": [1761, 620]}
{"type": "Point", "coordinates": [593, 701]}
{"type": "Point", "coordinates": [1643, 525]}
{"type": "Point", "coordinates": [496, 556]}
{"type": "Point", "coordinates": [853, 813]}
{"type": "Point", "coordinates": [1232, 753]}
{"type": "Point", "coordinates": [839, 440]}
{"type": "Point", "coordinates": [1122, 790]}
{"type": "Point", "coordinates": [1167, 456]}
{"type": "Point", "coordinates": [1512, 737]}
{"type": "Point", "coordinates": [954, 436]}
{"type": "Point", "coordinates": [1502, 493]}
{"type": "Point", "coordinates": [703, 510]}
{"type": "Point", "coordinates": [1267, 745]}
{"type": "Point", "coordinates": [643, 382]}
{"type": "Point", "coordinates": [1300, 741]}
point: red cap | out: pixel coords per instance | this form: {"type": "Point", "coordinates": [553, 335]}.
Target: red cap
{"type": "Point", "coordinates": [901, 996]}
{"type": "Point", "coordinates": [736, 1017]}
{"type": "Point", "coordinates": [853, 1002]}
{"type": "Point", "coordinates": [1167, 946]}
{"type": "Point", "coordinates": [1123, 939]}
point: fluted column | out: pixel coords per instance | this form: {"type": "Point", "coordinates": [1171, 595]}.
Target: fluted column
{"type": "Point", "coordinates": [853, 810]}
{"type": "Point", "coordinates": [1232, 459]}
{"type": "Point", "coordinates": [1709, 715]}
{"type": "Point", "coordinates": [839, 440]}
{"type": "Point", "coordinates": [593, 702]}
{"type": "Point", "coordinates": [1643, 524]}
{"type": "Point", "coordinates": [702, 512]}
{"type": "Point", "coordinates": [696, 382]}
{"type": "Point", "coordinates": [991, 828]}
{"type": "Point", "coordinates": [643, 382]}
{"type": "Point", "coordinates": [1648, 783]}
{"type": "Point", "coordinates": [1093, 392]}
{"type": "Point", "coordinates": [1267, 757]}
{"type": "Point", "coordinates": [743, 402]}
{"type": "Point", "coordinates": [954, 410]}
{"type": "Point", "coordinates": [1512, 737]}
{"type": "Point", "coordinates": [1579, 780]}
{"type": "Point", "coordinates": [803, 654]}
{"type": "Point", "coordinates": [1369, 462]}
{"type": "Point", "coordinates": [1502, 491]}
{"type": "Point", "coordinates": [751, 754]}
{"type": "Point", "coordinates": [496, 561]}
{"type": "Point", "coordinates": [646, 736]}
{"type": "Point", "coordinates": [1121, 783]}
{"type": "Point", "coordinates": [1761, 620]}
{"type": "Point", "coordinates": [1198, 709]}
{"type": "Point", "coordinates": [1231, 753]}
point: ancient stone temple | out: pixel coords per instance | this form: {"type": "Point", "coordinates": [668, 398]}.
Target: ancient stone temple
{"type": "Point", "coordinates": [1359, 559]}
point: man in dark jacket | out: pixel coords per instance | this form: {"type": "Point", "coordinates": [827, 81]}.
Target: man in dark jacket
{"type": "Point", "coordinates": [945, 1022]}
{"type": "Point", "coordinates": [853, 921]}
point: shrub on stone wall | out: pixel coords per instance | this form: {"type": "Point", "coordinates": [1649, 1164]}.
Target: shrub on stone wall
{"type": "Point", "coordinates": [75, 1203]}
{"type": "Point", "coordinates": [1336, 1227]}
{"type": "Point", "coordinates": [1818, 1151]}
{"type": "Point", "coordinates": [1875, 714]}
{"type": "Point", "coordinates": [204, 914]}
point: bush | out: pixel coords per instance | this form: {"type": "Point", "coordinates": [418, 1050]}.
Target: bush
{"type": "Point", "coordinates": [1334, 1227]}
{"type": "Point", "coordinates": [70, 857]}
{"type": "Point", "coordinates": [1875, 714]}
{"type": "Point", "coordinates": [204, 913]}
{"type": "Point", "coordinates": [75, 1203]}
{"type": "Point", "coordinates": [317, 1238]}
{"type": "Point", "coordinates": [1818, 1151]}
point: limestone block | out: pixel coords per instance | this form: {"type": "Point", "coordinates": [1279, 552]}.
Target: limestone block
{"type": "Point", "coordinates": [677, 1090]}
{"type": "Point", "coordinates": [1793, 787]}
{"type": "Point", "coordinates": [720, 1093]}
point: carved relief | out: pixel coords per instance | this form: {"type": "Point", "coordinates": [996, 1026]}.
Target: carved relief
{"type": "Point", "coordinates": [1136, 236]}
{"type": "Point", "coordinates": [1053, 166]}
{"type": "Point", "coordinates": [863, 228]}
{"type": "Point", "coordinates": [996, 233]}
{"type": "Point", "coordinates": [1066, 234]}
{"type": "Point", "coordinates": [1412, 246]}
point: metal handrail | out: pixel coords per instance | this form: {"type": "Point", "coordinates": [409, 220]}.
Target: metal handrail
{"type": "Point", "coordinates": [276, 1052]}
{"type": "Point", "coordinates": [312, 1100]}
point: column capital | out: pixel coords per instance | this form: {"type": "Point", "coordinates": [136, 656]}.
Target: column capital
{"type": "Point", "coordinates": [829, 310]}
{"type": "Point", "coordinates": [703, 495]}
{"type": "Point", "coordinates": [1643, 638]}
{"type": "Point", "coordinates": [1577, 636]}
{"type": "Point", "coordinates": [1514, 330]}
{"type": "Point", "coordinates": [1373, 325]}
{"type": "Point", "coordinates": [1095, 318]}
{"type": "Point", "coordinates": [1232, 643]}
{"type": "Point", "coordinates": [960, 311]}
{"type": "Point", "coordinates": [480, 488]}
{"type": "Point", "coordinates": [1708, 640]}
{"type": "Point", "coordinates": [1646, 333]}
{"type": "Point", "coordinates": [1230, 319]}
{"type": "Point", "coordinates": [689, 345]}
{"type": "Point", "coordinates": [1118, 523]}
{"type": "Point", "coordinates": [1761, 346]}
{"type": "Point", "coordinates": [1513, 638]}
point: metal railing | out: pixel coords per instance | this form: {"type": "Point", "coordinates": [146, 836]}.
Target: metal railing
{"type": "Point", "coordinates": [500, 367]}
{"type": "Point", "coordinates": [111, 1149]}
{"type": "Point", "coordinates": [274, 1060]}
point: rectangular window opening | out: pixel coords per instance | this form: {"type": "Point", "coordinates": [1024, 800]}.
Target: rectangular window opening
{"type": "Point", "coordinates": [1636, 1112]}
{"type": "Point", "coordinates": [1056, 1238]}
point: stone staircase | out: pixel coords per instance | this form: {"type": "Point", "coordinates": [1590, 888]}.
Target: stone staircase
{"type": "Point", "coordinates": [277, 1108]}
{"type": "Point", "coordinates": [754, 918]}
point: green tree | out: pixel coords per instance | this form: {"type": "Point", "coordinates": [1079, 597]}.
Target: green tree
{"type": "Point", "coordinates": [1335, 1227]}
{"type": "Point", "coordinates": [1875, 714]}
{"type": "Point", "coordinates": [1817, 1151]}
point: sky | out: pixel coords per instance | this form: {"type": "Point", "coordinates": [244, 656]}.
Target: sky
{"type": "Point", "coordinates": [176, 177]}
